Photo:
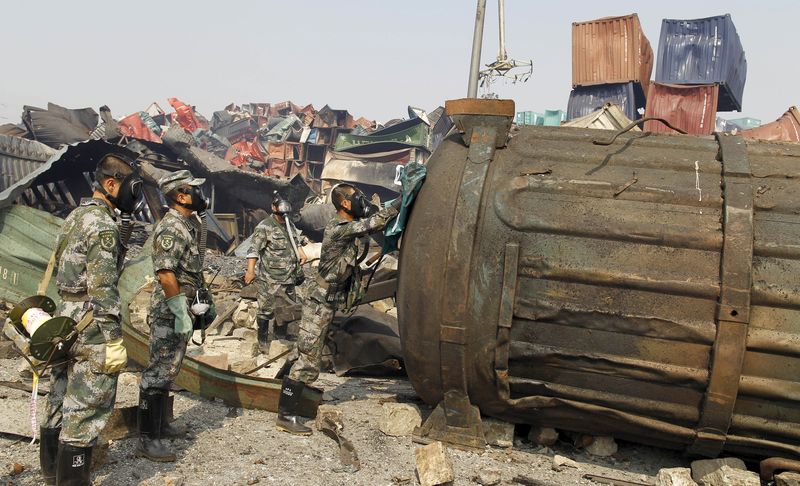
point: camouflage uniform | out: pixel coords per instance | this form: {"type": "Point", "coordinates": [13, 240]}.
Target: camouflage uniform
{"type": "Point", "coordinates": [81, 395]}
{"type": "Point", "coordinates": [175, 248]}
{"type": "Point", "coordinates": [337, 266]}
{"type": "Point", "coordinates": [278, 267]}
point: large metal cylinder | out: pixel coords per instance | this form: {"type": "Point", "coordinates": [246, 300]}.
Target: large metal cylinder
{"type": "Point", "coordinates": [646, 289]}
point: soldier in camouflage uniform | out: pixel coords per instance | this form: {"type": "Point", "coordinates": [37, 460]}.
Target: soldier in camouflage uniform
{"type": "Point", "coordinates": [178, 268]}
{"type": "Point", "coordinates": [337, 272]}
{"type": "Point", "coordinates": [83, 391]}
{"type": "Point", "coordinates": [280, 255]}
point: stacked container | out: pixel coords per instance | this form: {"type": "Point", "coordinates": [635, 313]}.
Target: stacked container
{"type": "Point", "coordinates": [701, 70]}
{"type": "Point", "coordinates": [704, 51]}
{"type": "Point", "coordinates": [611, 62]}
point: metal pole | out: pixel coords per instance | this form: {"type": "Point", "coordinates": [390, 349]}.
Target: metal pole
{"type": "Point", "coordinates": [477, 41]}
{"type": "Point", "coordinates": [501, 5]}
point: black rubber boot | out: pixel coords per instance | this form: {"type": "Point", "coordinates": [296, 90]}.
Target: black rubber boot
{"type": "Point", "coordinates": [48, 453]}
{"type": "Point", "coordinates": [167, 429]}
{"type": "Point", "coordinates": [73, 465]}
{"type": "Point", "coordinates": [288, 408]}
{"type": "Point", "coordinates": [280, 331]}
{"type": "Point", "coordinates": [263, 334]}
{"type": "Point", "coordinates": [151, 411]}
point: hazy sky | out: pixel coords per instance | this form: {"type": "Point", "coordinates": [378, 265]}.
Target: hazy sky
{"type": "Point", "coordinates": [371, 57]}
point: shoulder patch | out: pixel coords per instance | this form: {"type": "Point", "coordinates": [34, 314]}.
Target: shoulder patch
{"type": "Point", "coordinates": [166, 242]}
{"type": "Point", "coordinates": [108, 240]}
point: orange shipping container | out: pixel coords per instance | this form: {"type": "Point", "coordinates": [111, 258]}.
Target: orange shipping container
{"type": "Point", "coordinates": [610, 50]}
{"type": "Point", "coordinates": [786, 128]}
{"type": "Point", "coordinates": [691, 108]}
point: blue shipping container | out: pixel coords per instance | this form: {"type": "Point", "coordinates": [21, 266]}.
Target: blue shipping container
{"type": "Point", "coordinates": [588, 99]}
{"type": "Point", "coordinates": [703, 51]}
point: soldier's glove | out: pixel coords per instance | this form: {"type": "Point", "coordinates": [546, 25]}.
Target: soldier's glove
{"type": "Point", "coordinates": [183, 321]}
{"type": "Point", "coordinates": [116, 356]}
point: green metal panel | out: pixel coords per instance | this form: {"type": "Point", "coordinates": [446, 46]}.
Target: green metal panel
{"type": "Point", "coordinates": [27, 238]}
{"type": "Point", "coordinates": [415, 136]}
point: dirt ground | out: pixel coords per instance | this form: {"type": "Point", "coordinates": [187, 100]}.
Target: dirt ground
{"type": "Point", "coordinates": [232, 446]}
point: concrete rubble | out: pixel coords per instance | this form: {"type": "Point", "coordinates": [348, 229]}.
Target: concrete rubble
{"type": "Point", "coordinates": [602, 446]}
{"type": "Point", "coordinates": [730, 476]}
{"type": "Point", "coordinates": [399, 419]}
{"type": "Point", "coordinates": [787, 479]}
{"type": "Point", "coordinates": [497, 432]}
{"type": "Point", "coordinates": [704, 467]}
{"type": "Point", "coordinates": [676, 476]}
{"type": "Point", "coordinates": [433, 465]}
{"type": "Point", "coordinates": [545, 436]}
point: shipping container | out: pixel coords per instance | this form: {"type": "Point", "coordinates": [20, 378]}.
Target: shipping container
{"type": "Point", "coordinates": [691, 108]}
{"type": "Point", "coordinates": [529, 118]}
{"type": "Point", "coordinates": [610, 50]}
{"type": "Point", "coordinates": [553, 118]}
{"type": "Point", "coordinates": [585, 100]}
{"type": "Point", "coordinates": [703, 51]}
{"type": "Point", "coordinates": [786, 128]}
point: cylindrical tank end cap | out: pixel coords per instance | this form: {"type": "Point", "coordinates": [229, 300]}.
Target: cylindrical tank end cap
{"type": "Point", "coordinates": [468, 113]}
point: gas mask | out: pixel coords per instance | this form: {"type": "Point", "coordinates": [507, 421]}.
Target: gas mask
{"type": "Point", "coordinates": [199, 202]}
{"type": "Point", "coordinates": [129, 196]}
{"type": "Point", "coordinates": [281, 206]}
{"type": "Point", "coordinates": [360, 206]}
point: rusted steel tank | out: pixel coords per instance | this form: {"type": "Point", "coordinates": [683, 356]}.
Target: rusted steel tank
{"type": "Point", "coordinates": [646, 289]}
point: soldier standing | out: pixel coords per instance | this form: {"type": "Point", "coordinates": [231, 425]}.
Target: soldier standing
{"type": "Point", "coordinates": [337, 271]}
{"type": "Point", "coordinates": [83, 391]}
{"type": "Point", "coordinates": [179, 273]}
{"type": "Point", "coordinates": [276, 246]}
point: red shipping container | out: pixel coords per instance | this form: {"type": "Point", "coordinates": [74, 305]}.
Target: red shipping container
{"type": "Point", "coordinates": [785, 129]}
{"type": "Point", "coordinates": [691, 108]}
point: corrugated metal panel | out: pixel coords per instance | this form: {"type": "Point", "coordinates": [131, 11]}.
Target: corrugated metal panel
{"type": "Point", "coordinates": [585, 100]}
{"type": "Point", "coordinates": [692, 108]}
{"type": "Point", "coordinates": [19, 157]}
{"type": "Point", "coordinates": [703, 51]}
{"type": "Point", "coordinates": [610, 50]}
{"type": "Point", "coordinates": [786, 128]}
{"type": "Point", "coordinates": [609, 117]}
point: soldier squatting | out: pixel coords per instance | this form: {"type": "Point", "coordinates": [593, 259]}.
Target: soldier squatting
{"type": "Point", "coordinates": [88, 259]}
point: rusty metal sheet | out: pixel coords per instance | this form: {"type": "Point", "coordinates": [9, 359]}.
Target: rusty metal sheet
{"type": "Point", "coordinates": [613, 296]}
{"type": "Point", "coordinates": [784, 129]}
{"type": "Point", "coordinates": [610, 50]}
{"type": "Point", "coordinates": [692, 108]}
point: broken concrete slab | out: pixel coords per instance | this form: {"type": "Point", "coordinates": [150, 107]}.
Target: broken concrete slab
{"type": "Point", "coordinates": [545, 436]}
{"type": "Point", "coordinates": [703, 467]}
{"type": "Point", "coordinates": [497, 432]}
{"type": "Point", "coordinates": [244, 365]}
{"type": "Point", "coordinates": [276, 348]}
{"type": "Point", "coordinates": [245, 314]}
{"type": "Point", "coordinates": [399, 419]}
{"type": "Point", "coordinates": [216, 360]}
{"type": "Point", "coordinates": [787, 479]}
{"type": "Point", "coordinates": [602, 446]}
{"type": "Point", "coordinates": [245, 333]}
{"type": "Point", "coordinates": [249, 349]}
{"type": "Point", "coordinates": [676, 476]}
{"type": "Point", "coordinates": [330, 414]}
{"type": "Point", "coordinates": [730, 476]}
{"type": "Point", "coordinates": [433, 465]}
